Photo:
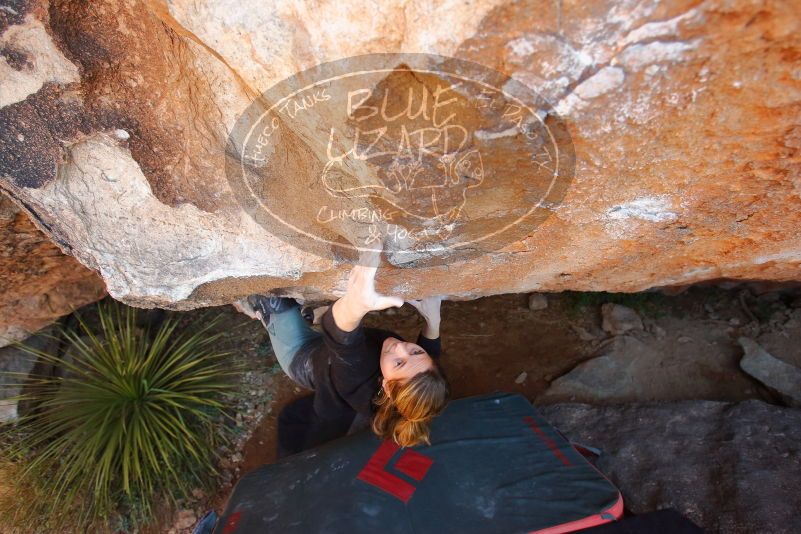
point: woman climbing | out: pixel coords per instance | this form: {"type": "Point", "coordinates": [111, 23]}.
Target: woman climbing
{"type": "Point", "coordinates": [359, 375]}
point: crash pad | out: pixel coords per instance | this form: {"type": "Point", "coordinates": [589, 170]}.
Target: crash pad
{"type": "Point", "coordinates": [494, 465]}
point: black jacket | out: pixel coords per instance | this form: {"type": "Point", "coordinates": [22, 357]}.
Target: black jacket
{"type": "Point", "coordinates": [346, 376]}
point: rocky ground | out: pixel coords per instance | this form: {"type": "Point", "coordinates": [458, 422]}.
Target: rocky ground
{"type": "Point", "coordinates": [729, 467]}
{"type": "Point", "coordinates": [602, 349]}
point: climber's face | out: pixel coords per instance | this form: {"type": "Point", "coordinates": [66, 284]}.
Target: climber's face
{"type": "Point", "coordinates": [401, 360]}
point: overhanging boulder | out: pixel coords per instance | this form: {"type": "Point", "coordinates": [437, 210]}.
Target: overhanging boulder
{"type": "Point", "coordinates": [115, 121]}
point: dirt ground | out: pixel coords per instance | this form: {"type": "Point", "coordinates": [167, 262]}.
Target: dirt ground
{"type": "Point", "coordinates": [498, 343]}
{"type": "Point", "coordinates": [490, 342]}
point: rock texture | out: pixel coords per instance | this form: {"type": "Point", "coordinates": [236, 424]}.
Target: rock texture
{"type": "Point", "coordinates": [618, 319]}
{"type": "Point", "coordinates": [781, 340]}
{"type": "Point", "coordinates": [649, 368]}
{"type": "Point", "coordinates": [537, 301]}
{"type": "Point", "coordinates": [39, 283]}
{"type": "Point", "coordinates": [781, 377]}
{"type": "Point", "coordinates": [684, 116]}
{"type": "Point", "coordinates": [731, 468]}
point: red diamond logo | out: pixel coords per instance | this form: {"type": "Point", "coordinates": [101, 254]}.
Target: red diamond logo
{"type": "Point", "coordinates": [411, 463]}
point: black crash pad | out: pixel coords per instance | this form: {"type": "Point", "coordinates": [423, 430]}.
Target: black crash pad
{"type": "Point", "coordinates": [494, 465]}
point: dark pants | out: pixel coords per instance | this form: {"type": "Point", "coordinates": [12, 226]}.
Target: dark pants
{"type": "Point", "coordinates": [294, 342]}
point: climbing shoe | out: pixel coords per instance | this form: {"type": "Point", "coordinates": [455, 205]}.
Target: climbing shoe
{"type": "Point", "coordinates": [267, 305]}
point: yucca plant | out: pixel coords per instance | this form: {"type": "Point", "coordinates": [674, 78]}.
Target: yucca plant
{"type": "Point", "coordinates": [133, 421]}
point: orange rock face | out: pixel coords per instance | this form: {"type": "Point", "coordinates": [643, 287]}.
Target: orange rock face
{"type": "Point", "coordinates": [684, 118]}
{"type": "Point", "coordinates": [40, 284]}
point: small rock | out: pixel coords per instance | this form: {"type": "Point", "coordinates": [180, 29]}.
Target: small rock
{"type": "Point", "coordinates": [537, 301]}
{"type": "Point", "coordinates": [521, 378]}
{"type": "Point", "coordinates": [779, 376]}
{"type": "Point", "coordinates": [582, 333]}
{"type": "Point", "coordinates": [618, 319]}
{"type": "Point", "coordinates": [778, 317]}
{"type": "Point", "coordinates": [751, 329]}
{"type": "Point", "coordinates": [659, 332]}
{"type": "Point", "coordinates": [684, 339]}
{"type": "Point", "coordinates": [185, 519]}
{"type": "Point", "coordinates": [734, 321]}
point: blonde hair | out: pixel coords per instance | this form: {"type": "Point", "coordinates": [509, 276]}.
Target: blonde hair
{"type": "Point", "coordinates": [405, 409]}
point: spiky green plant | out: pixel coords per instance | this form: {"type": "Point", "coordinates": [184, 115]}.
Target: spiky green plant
{"type": "Point", "coordinates": [133, 421]}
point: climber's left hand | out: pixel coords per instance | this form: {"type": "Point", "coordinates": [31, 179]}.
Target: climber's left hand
{"type": "Point", "coordinates": [361, 297]}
